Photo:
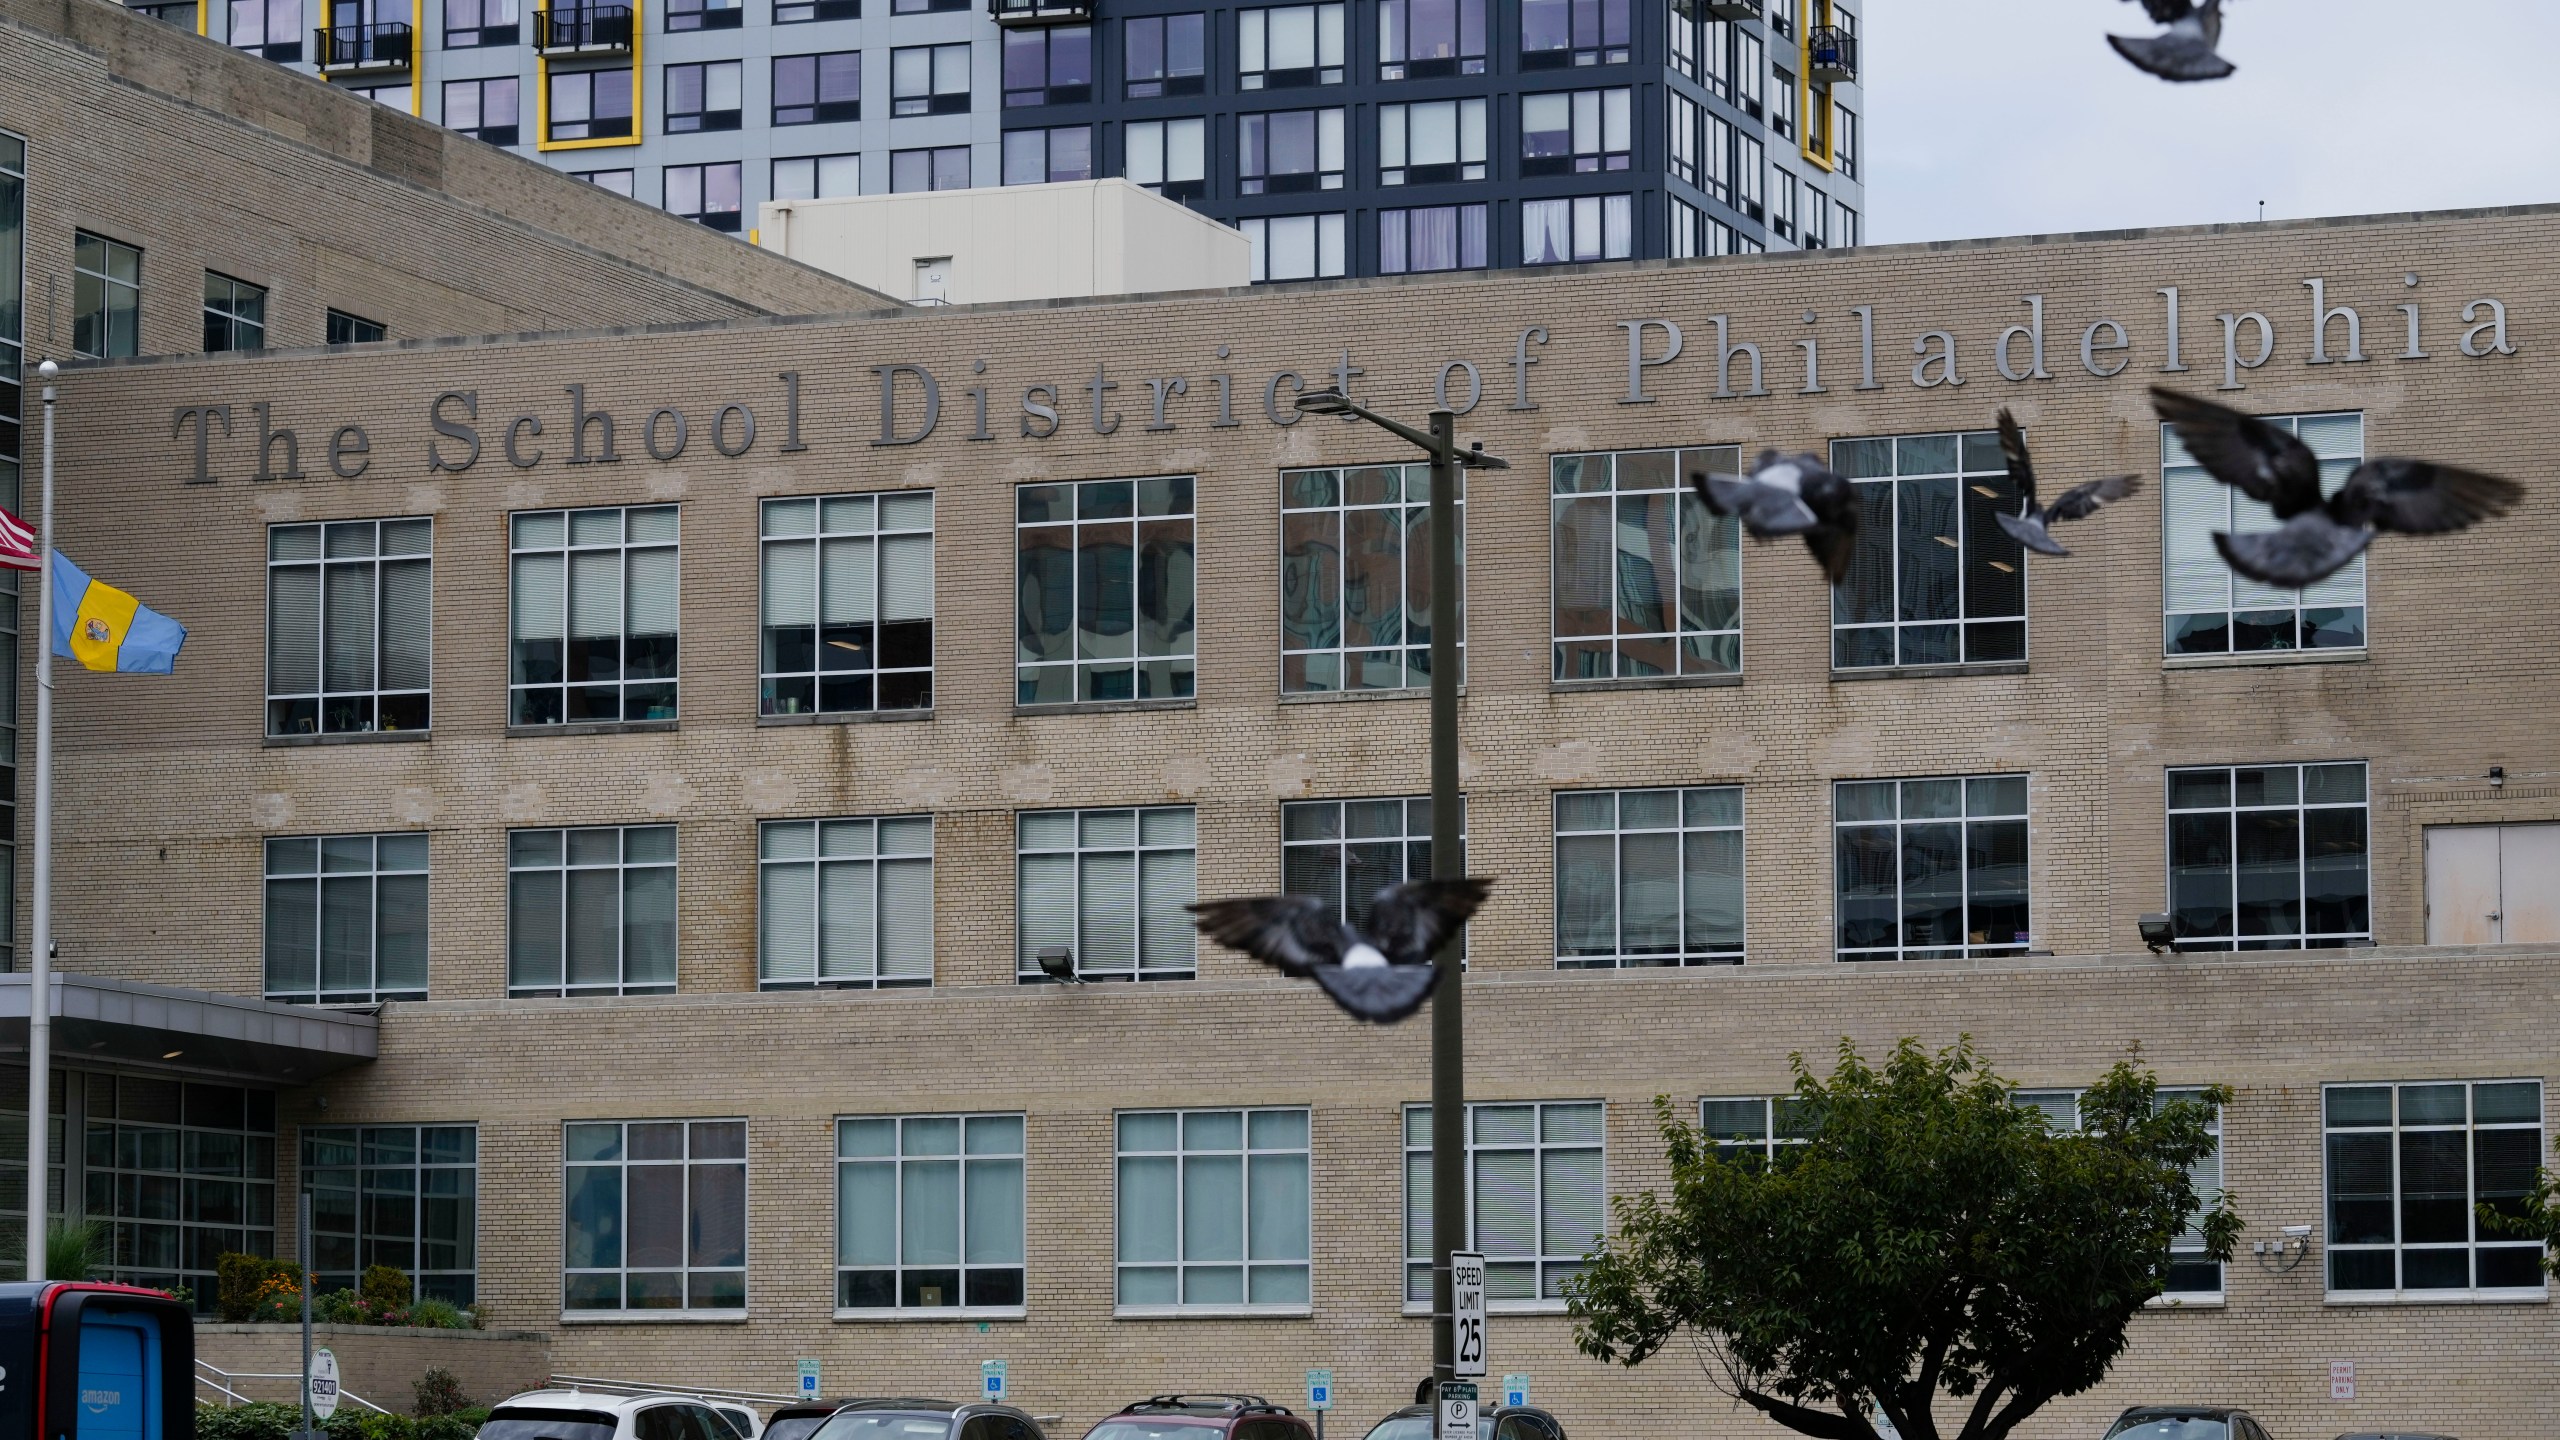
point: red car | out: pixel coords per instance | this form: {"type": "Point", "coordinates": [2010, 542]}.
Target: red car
{"type": "Point", "coordinates": [1202, 1417]}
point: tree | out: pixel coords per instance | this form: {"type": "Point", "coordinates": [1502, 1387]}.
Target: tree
{"type": "Point", "coordinates": [1932, 1236]}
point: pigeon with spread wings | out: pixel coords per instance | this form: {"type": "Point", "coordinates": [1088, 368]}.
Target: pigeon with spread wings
{"type": "Point", "coordinates": [2185, 50]}
{"type": "Point", "coordinates": [1790, 495]}
{"type": "Point", "coordinates": [2033, 527]}
{"type": "Point", "coordinates": [2320, 535]}
{"type": "Point", "coordinates": [1381, 976]}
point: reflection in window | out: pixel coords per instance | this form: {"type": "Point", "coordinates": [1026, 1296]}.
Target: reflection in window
{"type": "Point", "coordinates": [1344, 852]}
{"type": "Point", "coordinates": [2269, 857]}
{"type": "Point", "coordinates": [1647, 582]}
{"type": "Point", "coordinates": [817, 89]}
{"type": "Point", "coordinates": [406, 1196]}
{"type": "Point", "coordinates": [1104, 591]}
{"type": "Point", "coordinates": [1934, 579]}
{"type": "Point", "coordinates": [1420, 39]}
{"type": "Point", "coordinates": [1931, 869]}
{"type": "Point", "coordinates": [1048, 66]}
{"type": "Point", "coordinates": [1355, 578]}
{"type": "Point", "coordinates": [656, 1216]}
{"type": "Point", "coordinates": [1562, 33]}
{"type": "Point", "coordinates": [590, 105]}
{"type": "Point", "coordinates": [2409, 1169]}
{"type": "Point", "coordinates": [1165, 55]}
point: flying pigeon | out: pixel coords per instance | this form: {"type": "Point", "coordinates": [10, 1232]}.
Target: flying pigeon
{"type": "Point", "coordinates": [1790, 495]}
{"type": "Point", "coordinates": [2318, 537]}
{"type": "Point", "coordinates": [2184, 51]}
{"type": "Point", "coordinates": [2031, 526]}
{"type": "Point", "coordinates": [1380, 977]}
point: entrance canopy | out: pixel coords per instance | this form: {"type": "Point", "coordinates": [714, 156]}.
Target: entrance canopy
{"type": "Point", "coordinates": [130, 1025]}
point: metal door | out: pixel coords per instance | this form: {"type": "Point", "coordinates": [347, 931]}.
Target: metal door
{"type": "Point", "coordinates": [2462, 885]}
{"type": "Point", "coordinates": [2529, 884]}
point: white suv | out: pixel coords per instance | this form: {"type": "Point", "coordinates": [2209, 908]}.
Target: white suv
{"type": "Point", "coordinates": [585, 1415]}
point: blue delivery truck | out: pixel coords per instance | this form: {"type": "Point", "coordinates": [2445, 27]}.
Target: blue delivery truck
{"type": "Point", "coordinates": [82, 1361]}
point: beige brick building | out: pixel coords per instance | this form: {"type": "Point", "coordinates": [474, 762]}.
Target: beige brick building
{"type": "Point", "coordinates": [573, 561]}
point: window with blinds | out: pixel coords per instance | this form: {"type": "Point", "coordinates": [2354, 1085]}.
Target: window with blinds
{"type": "Point", "coordinates": [844, 902]}
{"type": "Point", "coordinates": [929, 1213]}
{"type": "Point", "coordinates": [1109, 887]}
{"type": "Point", "coordinates": [592, 912]}
{"type": "Point", "coordinates": [350, 626]}
{"type": "Point", "coordinates": [592, 607]}
{"type": "Point", "coordinates": [1934, 579]}
{"type": "Point", "coordinates": [1537, 1198]}
{"type": "Point", "coordinates": [1104, 578]}
{"type": "Point", "coordinates": [1647, 583]}
{"type": "Point", "coordinates": [656, 1214]}
{"type": "Point", "coordinates": [346, 918]}
{"type": "Point", "coordinates": [1355, 578]}
{"type": "Point", "coordinates": [1212, 1210]}
{"type": "Point", "coordinates": [1649, 877]}
{"type": "Point", "coordinates": [848, 603]}
{"type": "Point", "coordinates": [2214, 611]}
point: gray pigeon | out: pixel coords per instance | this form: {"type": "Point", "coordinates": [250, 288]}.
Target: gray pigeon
{"type": "Point", "coordinates": [2184, 51]}
{"type": "Point", "coordinates": [1380, 977]}
{"type": "Point", "coordinates": [2031, 526]}
{"type": "Point", "coordinates": [1790, 495]}
{"type": "Point", "coordinates": [2318, 537]}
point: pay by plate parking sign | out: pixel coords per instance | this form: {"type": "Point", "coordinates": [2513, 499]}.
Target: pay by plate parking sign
{"type": "Point", "coordinates": [1457, 1410]}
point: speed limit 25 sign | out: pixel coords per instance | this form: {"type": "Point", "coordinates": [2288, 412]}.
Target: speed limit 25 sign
{"type": "Point", "coordinates": [1466, 1311]}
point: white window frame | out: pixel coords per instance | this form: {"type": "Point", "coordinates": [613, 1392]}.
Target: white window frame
{"type": "Point", "coordinates": [624, 1164]}
{"type": "Point", "coordinates": [569, 548]}
{"type": "Point", "coordinates": [1156, 501]}
{"type": "Point", "coordinates": [2188, 558]}
{"type": "Point", "coordinates": [1719, 546]}
{"type": "Point", "coordinates": [1417, 1250]}
{"type": "Point", "coordinates": [2061, 1109]}
{"type": "Point", "coordinates": [1245, 1153]}
{"type": "Point", "coordinates": [1176, 950]}
{"type": "Point", "coordinates": [1411, 842]}
{"type": "Point", "coordinates": [419, 529]}
{"type": "Point", "coordinates": [621, 865]}
{"type": "Point", "coordinates": [853, 850]}
{"type": "Point", "coordinates": [1964, 819]}
{"type": "Point", "coordinates": [1618, 836]}
{"type": "Point", "coordinates": [2302, 937]}
{"type": "Point", "coordinates": [2471, 1127]}
{"type": "Point", "coordinates": [969, 1126]}
{"type": "Point", "coordinates": [870, 529]}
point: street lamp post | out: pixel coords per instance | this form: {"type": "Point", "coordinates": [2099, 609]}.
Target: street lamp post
{"type": "Point", "coordinates": [1448, 1000]}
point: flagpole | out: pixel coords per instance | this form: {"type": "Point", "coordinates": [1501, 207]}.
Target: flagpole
{"type": "Point", "coordinates": [40, 992]}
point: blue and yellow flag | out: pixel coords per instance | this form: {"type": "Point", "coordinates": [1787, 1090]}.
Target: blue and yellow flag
{"type": "Point", "coordinates": [105, 629]}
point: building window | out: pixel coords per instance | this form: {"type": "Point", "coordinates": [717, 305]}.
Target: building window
{"type": "Point", "coordinates": [1682, 37]}
{"type": "Point", "coordinates": [1555, 34]}
{"type": "Point", "coordinates": [406, 1196]}
{"type": "Point", "coordinates": [929, 80]}
{"type": "Point", "coordinates": [1431, 142]}
{"type": "Point", "coordinates": [1844, 152]}
{"type": "Point", "coordinates": [2409, 1169]}
{"type": "Point", "coordinates": [1750, 169]}
{"type": "Point", "coordinates": [1648, 878]}
{"type": "Point", "coordinates": [2214, 610]}
{"type": "Point", "coordinates": [184, 1172]}
{"type": "Point", "coordinates": [1431, 237]}
{"type": "Point", "coordinates": [1716, 177]}
{"type": "Point", "coordinates": [845, 902]}
{"type": "Point", "coordinates": [1165, 55]}
{"type": "Point", "coordinates": [590, 105]}
{"type": "Point", "coordinates": [2194, 1277]}
{"type": "Point", "coordinates": [1355, 578]}
{"type": "Point", "coordinates": [929, 1213]}
{"type": "Point", "coordinates": [1213, 1209]}
{"type": "Point", "coordinates": [1576, 132]}
{"type": "Point", "coordinates": [346, 919]}
{"type": "Point", "coordinates": [235, 314]}
{"type": "Point", "coordinates": [1685, 114]}
{"type": "Point", "coordinates": [1771, 1129]}
{"type": "Point", "coordinates": [817, 177]}
{"type": "Point", "coordinates": [1934, 579]}
{"type": "Point", "coordinates": [1817, 220]}
{"type": "Point", "coordinates": [471, 24]}
{"type": "Point", "coordinates": [801, 12]}
{"type": "Point", "coordinates": [1287, 46]}
{"type": "Point", "coordinates": [2269, 857]}
{"type": "Point", "coordinates": [1537, 1198]}
{"type": "Point", "coordinates": [1344, 852]}
{"type": "Point", "coordinates": [1104, 572]}
{"type": "Point", "coordinates": [1107, 886]}
{"type": "Point", "coordinates": [1782, 205]}
{"type": "Point", "coordinates": [656, 1215]}
{"type": "Point", "coordinates": [1419, 39]}
{"type": "Point", "coordinates": [921, 7]}
{"type": "Point", "coordinates": [1289, 150]}
{"type": "Point", "coordinates": [1686, 226]}
{"type": "Point", "coordinates": [350, 626]}
{"type": "Point", "coordinates": [1750, 72]}
{"type": "Point", "coordinates": [1037, 157]}
{"type": "Point", "coordinates": [1845, 228]}
{"type": "Point", "coordinates": [483, 109]}
{"type": "Point", "coordinates": [390, 97]}
{"type": "Point", "coordinates": [1048, 66]}
{"type": "Point", "coordinates": [1783, 99]}
{"type": "Point", "coordinates": [1931, 869]}
{"type": "Point", "coordinates": [1169, 157]}
{"type": "Point", "coordinates": [594, 606]}
{"type": "Point", "coordinates": [817, 89]}
{"type": "Point", "coordinates": [848, 603]}
{"type": "Point", "coordinates": [592, 912]}
{"type": "Point", "coordinates": [269, 29]}
{"type": "Point", "coordinates": [704, 97]}
{"type": "Point", "coordinates": [1647, 582]}
{"type": "Point", "coordinates": [944, 167]}
{"type": "Point", "coordinates": [617, 181]}
{"type": "Point", "coordinates": [1586, 227]}
{"type": "Point", "coordinates": [1295, 247]}
{"type": "Point", "coordinates": [705, 15]}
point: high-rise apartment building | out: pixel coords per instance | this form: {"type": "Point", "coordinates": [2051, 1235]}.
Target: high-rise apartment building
{"type": "Point", "coordinates": [1345, 137]}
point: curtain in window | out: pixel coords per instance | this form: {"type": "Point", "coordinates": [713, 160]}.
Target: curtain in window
{"type": "Point", "coordinates": [408, 623]}
{"type": "Point", "coordinates": [1546, 231]}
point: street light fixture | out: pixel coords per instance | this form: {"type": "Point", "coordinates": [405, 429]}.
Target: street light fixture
{"type": "Point", "coordinates": [1448, 1030]}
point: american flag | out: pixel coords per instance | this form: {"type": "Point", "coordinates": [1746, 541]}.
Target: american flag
{"type": "Point", "coordinates": [17, 544]}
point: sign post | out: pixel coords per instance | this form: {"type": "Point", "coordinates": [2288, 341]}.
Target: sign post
{"type": "Point", "coordinates": [1319, 1396]}
{"type": "Point", "coordinates": [991, 1382]}
{"type": "Point", "coordinates": [1457, 1410]}
{"type": "Point", "coordinates": [808, 1379]}
{"type": "Point", "coordinates": [1466, 1313]}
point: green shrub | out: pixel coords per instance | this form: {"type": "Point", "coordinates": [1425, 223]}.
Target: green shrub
{"type": "Point", "coordinates": [74, 1249]}
{"type": "Point", "coordinates": [338, 1307]}
{"type": "Point", "coordinates": [438, 1315]}
{"type": "Point", "coordinates": [262, 1421]}
{"type": "Point", "coordinates": [439, 1391]}
{"type": "Point", "coordinates": [385, 1289]}
{"type": "Point", "coordinates": [243, 1284]}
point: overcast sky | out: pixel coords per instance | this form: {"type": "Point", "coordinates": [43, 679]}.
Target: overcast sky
{"type": "Point", "coordinates": [2012, 117]}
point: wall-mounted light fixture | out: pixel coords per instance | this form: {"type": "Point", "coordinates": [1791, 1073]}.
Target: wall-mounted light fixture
{"type": "Point", "coordinates": [2157, 932]}
{"type": "Point", "coordinates": [2497, 777]}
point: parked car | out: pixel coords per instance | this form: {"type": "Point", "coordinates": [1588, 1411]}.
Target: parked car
{"type": "Point", "coordinates": [1499, 1422]}
{"type": "Point", "coordinates": [907, 1417]}
{"type": "Point", "coordinates": [801, 1419]}
{"type": "Point", "coordinates": [2186, 1422]}
{"type": "Point", "coordinates": [587, 1415]}
{"type": "Point", "coordinates": [1202, 1417]}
